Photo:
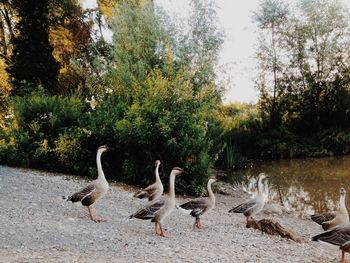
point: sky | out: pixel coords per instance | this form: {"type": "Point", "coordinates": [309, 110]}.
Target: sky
{"type": "Point", "coordinates": [237, 55]}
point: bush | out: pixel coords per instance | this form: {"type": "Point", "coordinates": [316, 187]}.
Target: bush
{"type": "Point", "coordinates": [36, 130]}
{"type": "Point", "coordinates": [165, 121]}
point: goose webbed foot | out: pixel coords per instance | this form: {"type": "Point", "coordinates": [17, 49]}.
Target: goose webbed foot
{"type": "Point", "coordinates": [162, 232]}
{"type": "Point", "coordinates": [94, 218]}
{"type": "Point", "coordinates": [198, 224]}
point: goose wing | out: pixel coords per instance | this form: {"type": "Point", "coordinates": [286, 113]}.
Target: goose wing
{"type": "Point", "coordinates": [82, 194]}
{"type": "Point", "coordinates": [336, 236]}
{"type": "Point", "coordinates": [242, 208]}
{"type": "Point", "coordinates": [147, 192]}
{"type": "Point", "coordinates": [323, 217]}
{"type": "Point", "coordinates": [148, 211]}
{"type": "Point", "coordinates": [198, 206]}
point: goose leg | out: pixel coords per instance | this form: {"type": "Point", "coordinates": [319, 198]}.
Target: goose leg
{"type": "Point", "coordinates": [200, 226]}
{"type": "Point", "coordinates": [162, 232]}
{"type": "Point", "coordinates": [156, 228]}
{"type": "Point", "coordinates": [342, 259]}
{"type": "Point", "coordinates": [96, 220]}
{"type": "Point", "coordinates": [196, 224]}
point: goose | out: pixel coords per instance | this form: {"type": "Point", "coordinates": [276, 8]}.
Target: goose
{"type": "Point", "coordinates": [329, 220]}
{"type": "Point", "coordinates": [153, 191]}
{"type": "Point", "coordinates": [160, 208]}
{"type": "Point", "coordinates": [255, 205]}
{"type": "Point", "coordinates": [95, 190]}
{"type": "Point", "coordinates": [339, 236]}
{"type": "Point", "coordinates": [199, 206]}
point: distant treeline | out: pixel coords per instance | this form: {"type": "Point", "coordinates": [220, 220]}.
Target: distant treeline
{"type": "Point", "coordinates": [152, 91]}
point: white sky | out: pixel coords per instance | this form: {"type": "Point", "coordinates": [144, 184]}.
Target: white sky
{"type": "Point", "coordinates": [237, 54]}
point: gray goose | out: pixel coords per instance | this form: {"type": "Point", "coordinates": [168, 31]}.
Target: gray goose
{"type": "Point", "coordinates": [95, 190]}
{"type": "Point", "coordinates": [160, 208]}
{"type": "Point", "coordinates": [153, 191]}
{"type": "Point", "coordinates": [255, 205]}
{"type": "Point", "coordinates": [339, 236]}
{"type": "Point", "coordinates": [329, 220]}
{"type": "Point", "coordinates": [199, 206]}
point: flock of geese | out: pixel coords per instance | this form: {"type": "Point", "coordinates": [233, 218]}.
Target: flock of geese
{"type": "Point", "coordinates": [336, 224]}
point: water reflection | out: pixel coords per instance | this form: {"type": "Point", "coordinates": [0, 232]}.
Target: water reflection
{"type": "Point", "coordinates": [303, 185]}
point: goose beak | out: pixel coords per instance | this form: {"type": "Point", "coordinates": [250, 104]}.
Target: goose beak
{"type": "Point", "coordinates": [110, 148]}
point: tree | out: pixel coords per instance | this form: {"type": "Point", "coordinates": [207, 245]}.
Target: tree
{"type": "Point", "coordinates": [271, 17]}
{"type": "Point", "coordinates": [32, 63]}
{"type": "Point", "coordinates": [70, 36]}
{"type": "Point", "coordinates": [320, 48]}
{"type": "Point", "coordinates": [166, 105]}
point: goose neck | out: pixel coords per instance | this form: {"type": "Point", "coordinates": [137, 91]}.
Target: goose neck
{"type": "Point", "coordinates": [260, 187]}
{"type": "Point", "coordinates": [157, 173]}
{"type": "Point", "coordinates": [172, 186]}
{"type": "Point", "coordinates": [100, 173]}
{"type": "Point", "coordinates": [210, 191]}
{"type": "Point", "coordinates": [342, 202]}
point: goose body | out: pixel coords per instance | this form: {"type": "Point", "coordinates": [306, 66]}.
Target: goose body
{"type": "Point", "coordinates": [95, 190]}
{"type": "Point", "coordinates": [329, 220]}
{"type": "Point", "coordinates": [255, 205]}
{"type": "Point", "coordinates": [199, 206]}
{"type": "Point", "coordinates": [339, 236]}
{"type": "Point", "coordinates": [160, 208]}
{"type": "Point", "coordinates": [153, 191]}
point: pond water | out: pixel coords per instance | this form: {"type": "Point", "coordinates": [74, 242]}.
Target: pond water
{"type": "Point", "coordinates": [303, 185]}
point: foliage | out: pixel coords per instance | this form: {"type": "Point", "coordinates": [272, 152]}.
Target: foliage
{"type": "Point", "coordinates": [145, 99]}
{"type": "Point", "coordinates": [37, 130]}
{"type": "Point", "coordinates": [32, 61]}
{"type": "Point", "coordinates": [166, 114]}
{"type": "Point", "coordinates": [243, 125]}
{"type": "Point", "coordinates": [311, 83]}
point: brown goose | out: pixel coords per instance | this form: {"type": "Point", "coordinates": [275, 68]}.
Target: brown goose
{"type": "Point", "coordinates": [95, 190]}
{"type": "Point", "coordinates": [255, 205]}
{"type": "Point", "coordinates": [153, 191]}
{"type": "Point", "coordinates": [160, 208]}
{"type": "Point", "coordinates": [339, 236]}
{"type": "Point", "coordinates": [331, 219]}
{"type": "Point", "coordinates": [199, 206]}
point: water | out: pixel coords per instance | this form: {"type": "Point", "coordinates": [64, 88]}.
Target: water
{"type": "Point", "coordinates": [303, 185]}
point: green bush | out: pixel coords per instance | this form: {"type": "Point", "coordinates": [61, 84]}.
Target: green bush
{"type": "Point", "coordinates": [37, 125]}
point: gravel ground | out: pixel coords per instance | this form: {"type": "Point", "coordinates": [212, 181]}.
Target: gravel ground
{"type": "Point", "coordinates": [36, 225]}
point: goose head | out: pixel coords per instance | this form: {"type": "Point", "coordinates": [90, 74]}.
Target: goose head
{"type": "Point", "coordinates": [213, 179]}
{"type": "Point", "coordinates": [103, 148]}
{"type": "Point", "coordinates": [262, 177]}
{"type": "Point", "coordinates": [157, 163]}
{"type": "Point", "coordinates": [342, 191]}
{"type": "Point", "coordinates": [177, 171]}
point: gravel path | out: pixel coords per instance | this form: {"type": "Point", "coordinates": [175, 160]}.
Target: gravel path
{"type": "Point", "coordinates": [36, 225]}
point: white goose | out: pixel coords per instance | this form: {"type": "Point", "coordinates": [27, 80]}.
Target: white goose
{"type": "Point", "coordinates": [329, 220]}
{"type": "Point", "coordinates": [153, 191]}
{"type": "Point", "coordinates": [199, 206]}
{"type": "Point", "coordinates": [160, 208]}
{"type": "Point", "coordinates": [255, 205]}
{"type": "Point", "coordinates": [95, 190]}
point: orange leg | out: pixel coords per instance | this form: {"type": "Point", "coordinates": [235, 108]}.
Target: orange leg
{"type": "Point", "coordinates": [198, 224]}
{"type": "Point", "coordinates": [248, 218]}
{"type": "Point", "coordinates": [195, 224]}
{"type": "Point", "coordinates": [342, 259]}
{"type": "Point", "coordinates": [162, 232]}
{"type": "Point", "coordinates": [156, 228]}
{"type": "Point", "coordinates": [96, 220]}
